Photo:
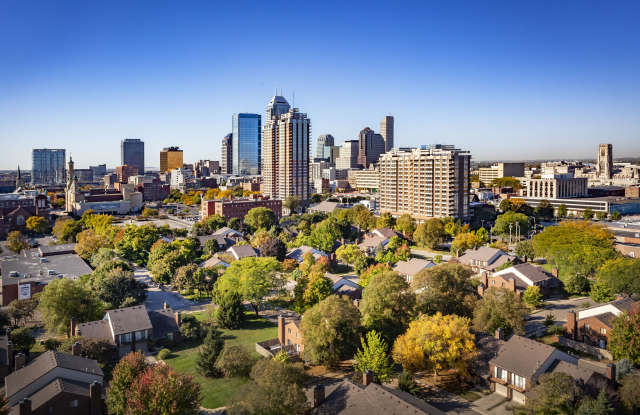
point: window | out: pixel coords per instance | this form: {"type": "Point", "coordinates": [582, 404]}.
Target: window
{"type": "Point", "coordinates": [603, 331]}
{"type": "Point", "coordinates": [74, 403]}
{"type": "Point", "coordinates": [586, 326]}
{"type": "Point", "coordinates": [125, 338]}
{"type": "Point", "coordinates": [140, 335]}
{"type": "Point", "coordinates": [499, 373]}
{"type": "Point", "coordinates": [518, 381]}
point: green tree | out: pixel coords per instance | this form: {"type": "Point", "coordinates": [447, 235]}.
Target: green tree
{"type": "Point", "coordinates": [16, 242]}
{"type": "Point", "coordinates": [386, 220]}
{"type": "Point", "coordinates": [230, 311]}
{"type": "Point", "coordinates": [88, 243]}
{"type": "Point", "coordinates": [446, 288]}
{"type": "Point", "coordinates": [555, 393]}
{"type": "Point", "coordinates": [601, 215]}
{"type": "Point", "coordinates": [367, 274]}
{"type": "Point", "coordinates": [625, 336]}
{"type": "Point", "coordinates": [562, 211]}
{"type": "Point", "coordinates": [374, 356]}
{"type": "Point", "coordinates": [506, 182]}
{"type": "Point", "coordinates": [482, 235]}
{"type": "Point", "coordinates": [601, 292]}
{"type": "Point", "coordinates": [577, 284]}
{"type": "Point", "coordinates": [37, 224]}
{"type": "Point", "coordinates": [292, 203]}
{"type": "Point", "coordinates": [544, 210]}
{"type": "Point", "coordinates": [22, 339]}
{"type": "Point", "coordinates": [317, 289]}
{"type": "Point", "coordinates": [622, 275]}
{"type": "Point", "coordinates": [628, 392]}
{"type": "Point", "coordinates": [114, 286]}
{"type": "Point", "coordinates": [22, 309]}
{"type": "Point", "coordinates": [616, 215]}
{"type": "Point", "coordinates": [524, 249]}
{"type": "Point", "coordinates": [406, 224]}
{"type": "Point", "coordinates": [587, 214]}
{"type": "Point", "coordinates": [387, 304]}
{"type": "Point", "coordinates": [63, 299]}
{"type": "Point", "coordinates": [325, 234]}
{"type": "Point", "coordinates": [123, 376]}
{"type": "Point", "coordinates": [260, 218]}
{"type": "Point", "coordinates": [464, 241]}
{"type": "Point", "coordinates": [430, 233]}
{"type": "Point", "coordinates": [330, 330]}
{"type": "Point", "coordinates": [190, 327]}
{"type": "Point", "coordinates": [273, 247]}
{"type": "Point", "coordinates": [234, 361]}
{"type": "Point", "coordinates": [353, 255]}
{"type": "Point", "coordinates": [208, 353]}
{"type": "Point", "coordinates": [500, 308]}
{"type": "Point", "coordinates": [598, 406]}
{"type": "Point", "coordinates": [503, 221]}
{"type": "Point", "coordinates": [66, 229]}
{"type": "Point", "coordinates": [102, 256]}
{"type": "Point", "coordinates": [532, 296]}
{"type": "Point", "coordinates": [134, 242]}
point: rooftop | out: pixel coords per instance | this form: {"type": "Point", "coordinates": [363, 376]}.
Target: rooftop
{"type": "Point", "coordinates": [29, 265]}
{"type": "Point", "coordinates": [522, 356]}
{"type": "Point", "coordinates": [129, 319]}
{"type": "Point", "coordinates": [412, 266]}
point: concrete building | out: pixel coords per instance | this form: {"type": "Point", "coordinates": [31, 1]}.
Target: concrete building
{"type": "Point", "coordinates": [499, 170]}
{"type": "Point", "coordinates": [348, 158]}
{"type": "Point", "coordinates": [226, 161]}
{"type": "Point", "coordinates": [604, 166]}
{"type": "Point", "coordinates": [367, 180]}
{"type": "Point", "coordinates": [170, 158]}
{"type": "Point", "coordinates": [386, 131]}
{"type": "Point", "coordinates": [324, 145]}
{"type": "Point", "coordinates": [132, 153]}
{"type": "Point", "coordinates": [17, 207]}
{"type": "Point", "coordinates": [370, 146]}
{"type": "Point", "coordinates": [47, 166]}
{"type": "Point", "coordinates": [246, 144]}
{"type": "Point", "coordinates": [576, 206]}
{"type": "Point", "coordinates": [426, 182]}
{"type": "Point", "coordinates": [556, 186]}
{"type": "Point", "coordinates": [182, 179]}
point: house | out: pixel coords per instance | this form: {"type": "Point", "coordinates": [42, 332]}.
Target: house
{"type": "Point", "coordinates": [485, 259]}
{"type": "Point", "coordinates": [289, 338]}
{"type": "Point", "coordinates": [229, 233]}
{"type": "Point", "coordinates": [214, 262]}
{"type": "Point", "coordinates": [518, 277]}
{"type": "Point", "coordinates": [130, 328]}
{"type": "Point", "coordinates": [56, 383]}
{"type": "Point", "coordinates": [299, 253]}
{"type": "Point", "coordinates": [324, 207]}
{"type": "Point", "coordinates": [348, 398]}
{"type": "Point", "coordinates": [521, 361]}
{"type": "Point", "coordinates": [242, 251]}
{"type": "Point", "coordinates": [223, 242]}
{"type": "Point", "coordinates": [630, 250]}
{"type": "Point", "coordinates": [348, 285]}
{"type": "Point", "coordinates": [408, 269]}
{"type": "Point", "coordinates": [593, 325]}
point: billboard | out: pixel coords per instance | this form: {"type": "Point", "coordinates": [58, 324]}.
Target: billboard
{"type": "Point", "coordinates": [24, 291]}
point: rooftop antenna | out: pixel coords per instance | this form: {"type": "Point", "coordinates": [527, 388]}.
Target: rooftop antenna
{"type": "Point", "coordinates": [294, 99]}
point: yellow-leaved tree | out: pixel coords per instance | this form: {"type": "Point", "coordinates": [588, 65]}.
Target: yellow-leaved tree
{"type": "Point", "coordinates": [436, 342]}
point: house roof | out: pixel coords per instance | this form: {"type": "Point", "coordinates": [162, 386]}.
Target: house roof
{"type": "Point", "coordinates": [129, 319]}
{"type": "Point", "coordinates": [385, 232]}
{"type": "Point", "coordinates": [43, 364]}
{"type": "Point", "coordinates": [56, 387]}
{"type": "Point", "coordinates": [485, 254]}
{"type": "Point", "coordinates": [163, 321]}
{"type": "Point", "coordinates": [606, 318]}
{"type": "Point", "coordinates": [412, 266]}
{"type": "Point", "coordinates": [48, 250]}
{"type": "Point", "coordinates": [324, 206]}
{"type": "Point", "coordinates": [522, 356]}
{"type": "Point", "coordinates": [213, 261]}
{"type": "Point", "coordinates": [622, 305]}
{"type": "Point", "coordinates": [98, 330]}
{"type": "Point", "coordinates": [373, 240]}
{"type": "Point", "coordinates": [242, 251]}
{"type": "Point", "coordinates": [578, 372]}
{"type": "Point", "coordinates": [535, 274]}
{"type": "Point", "coordinates": [225, 231]}
{"type": "Point", "coordinates": [299, 253]}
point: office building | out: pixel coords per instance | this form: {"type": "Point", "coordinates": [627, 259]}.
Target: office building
{"type": "Point", "coordinates": [367, 180]}
{"type": "Point", "coordinates": [386, 131]}
{"type": "Point", "coordinates": [47, 166]}
{"type": "Point", "coordinates": [170, 159]}
{"type": "Point", "coordinates": [316, 169]}
{"type": "Point", "coordinates": [98, 171]}
{"type": "Point", "coordinates": [84, 176]}
{"type": "Point", "coordinates": [132, 153]}
{"type": "Point", "coordinates": [556, 186]}
{"type": "Point", "coordinates": [246, 144]}
{"type": "Point", "coordinates": [182, 179]}
{"type": "Point", "coordinates": [323, 146]}
{"type": "Point", "coordinates": [348, 158]}
{"type": "Point", "coordinates": [604, 168]}
{"type": "Point", "coordinates": [431, 181]}
{"type": "Point", "coordinates": [277, 107]}
{"type": "Point", "coordinates": [370, 146]}
{"type": "Point", "coordinates": [500, 170]}
{"type": "Point", "coordinates": [227, 154]}
{"type": "Point", "coordinates": [124, 172]}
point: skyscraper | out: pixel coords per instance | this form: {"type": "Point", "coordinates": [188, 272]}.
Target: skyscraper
{"type": "Point", "coordinates": [227, 154]}
{"type": "Point", "coordinates": [277, 106]}
{"type": "Point", "coordinates": [604, 168]}
{"type": "Point", "coordinates": [170, 159]}
{"type": "Point", "coordinates": [47, 166]}
{"type": "Point", "coordinates": [348, 158]}
{"type": "Point", "coordinates": [132, 153]}
{"type": "Point", "coordinates": [427, 182]}
{"type": "Point", "coordinates": [246, 144]}
{"type": "Point", "coordinates": [370, 146]}
{"type": "Point", "coordinates": [386, 131]}
{"type": "Point", "coordinates": [323, 146]}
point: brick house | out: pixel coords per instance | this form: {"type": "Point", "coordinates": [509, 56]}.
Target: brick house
{"type": "Point", "coordinates": [485, 259]}
{"type": "Point", "coordinates": [518, 278]}
{"type": "Point", "coordinates": [593, 325]}
{"type": "Point", "coordinates": [289, 339]}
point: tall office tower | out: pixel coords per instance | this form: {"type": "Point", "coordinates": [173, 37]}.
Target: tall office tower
{"type": "Point", "coordinates": [386, 131]}
{"type": "Point", "coordinates": [294, 142]}
{"type": "Point", "coordinates": [98, 171]}
{"type": "Point", "coordinates": [170, 158]}
{"type": "Point", "coordinates": [227, 154]}
{"type": "Point", "coordinates": [370, 146]}
{"type": "Point", "coordinates": [426, 182]}
{"type": "Point", "coordinates": [323, 146]}
{"type": "Point", "coordinates": [47, 166]}
{"type": "Point", "coordinates": [277, 107]}
{"type": "Point", "coordinates": [348, 158]}
{"type": "Point", "coordinates": [132, 153]}
{"type": "Point", "coordinates": [604, 168]}
{"type": "Point", "coordinates": [246, 144]}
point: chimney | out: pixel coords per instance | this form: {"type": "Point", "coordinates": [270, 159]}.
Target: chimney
{"type": "Point", "coordinates": [165, 306]}
{"type": "Point", "coordinates": [76, 349]}
{"type": "Point", "coordinates": [367, 377]}
{"type": "Point", "coordinates": [19, 361]}
{"type": "Point", "coordinates": [73, 327]}
{"type": "Point", "coordinates": [25, 407]}
{"type": "Point", "coordinates": [512, 285]}
{"type": "Point", "coordinates": [281, 329]}
{"type": "Point", "coordinates": [95, 394]}
{"type": "Point", "coordinates": [318, 395]}
{"type": "Point", "coordinates": [572, 325]}
{"type": "Point", "coordinates": [611, 372]}
{"type": "Point", "coordinates": [499, 333]}
{"type": "Point", "coordinates": [485, 280]}
{"type": "Point", "coordinates": [178, 318]}
{"type": "Point", "coordinates": [554, 272]}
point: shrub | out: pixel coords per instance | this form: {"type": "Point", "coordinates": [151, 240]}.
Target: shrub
{"type": "Point", "coordinates": [407, 384]}
{"type": "Point", "coordinates": [163, 354]}
{"type": "Point", "coordinates": [234, 361]}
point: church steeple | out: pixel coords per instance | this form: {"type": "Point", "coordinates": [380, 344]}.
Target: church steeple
{"type": "Point", "coordinates": [18, 179]}
{"type": "Point", "coordinates": [70, 171]}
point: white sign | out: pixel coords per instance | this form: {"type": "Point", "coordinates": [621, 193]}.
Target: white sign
{"type": "Point", "coordinates": [24, 291]}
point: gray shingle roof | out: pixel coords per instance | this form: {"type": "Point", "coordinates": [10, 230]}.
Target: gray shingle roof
{"type": "Point", "coordinates": [98, 330]}
{"type": "Point", "coordinates": [164, 321]}
{"type": "Point", "coordinates": [242, 251]}
{"type": "Point", "coordinates": [129, 319]}
{"type": "Point", "coordinates": [55, 388]}
{"type": "Point", "coordinates": [412, 266]}
{"type": "Point", "coordinates": [535, 274]}
{"type": "Point", "coordinates": [522, 356]}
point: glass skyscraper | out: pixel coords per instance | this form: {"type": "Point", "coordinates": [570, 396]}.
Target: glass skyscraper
{"type": "Point", "coordinates": [247, 144]}
{"type": "Point", "coordinates": [47, 166]}
{"type": "Point", "coordinates": [132, 153]}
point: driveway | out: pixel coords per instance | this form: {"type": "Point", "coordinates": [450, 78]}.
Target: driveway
{"type": "Point", "coordinates": [493, 404]}
{"type": "Point", "coordinates": [559, 308]}
{"type": "Point", "coordinates": [429, 254]}
{"type": "Point", "coordinates": [156, 296]}
{"type": "Point", "coordinates": [448, 402]}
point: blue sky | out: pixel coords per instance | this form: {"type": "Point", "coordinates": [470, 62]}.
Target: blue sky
{"type": "Point", "coordinates": [503, 79]}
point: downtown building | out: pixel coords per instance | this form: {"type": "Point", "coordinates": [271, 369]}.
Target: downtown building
{"type": "Point", "coordinates": [246, 141]}
{"type": "Point", "coordinates": [132, 153]}
{"type": "Point", "coordinates": [226, 157]}
{"type": "Point", "coordinates": [47, 166]}
{"type": "Point", "coordinates": [170, 159]}
{"type": "Point", "coordinates": [431, 181]}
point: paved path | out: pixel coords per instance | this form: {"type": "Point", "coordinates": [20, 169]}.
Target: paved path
{"type": "Point", "coordinates": [429, 254]}
{"type": "Point", "coordinates": [156, 296]}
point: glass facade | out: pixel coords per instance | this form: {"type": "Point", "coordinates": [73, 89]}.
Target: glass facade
{"type": "Point", "coordinates": [132, 153]}
{"type": "Point", "coordinates": [247, 144]}
{"type": "Point", "coordinates": [47, 166]}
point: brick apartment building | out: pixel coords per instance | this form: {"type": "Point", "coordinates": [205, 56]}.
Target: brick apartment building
{"type": "Point", "coordinates": [238, 208]}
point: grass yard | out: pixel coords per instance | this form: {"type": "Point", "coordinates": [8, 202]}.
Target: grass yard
{"type": "Point", "coordinates": [217, 392]}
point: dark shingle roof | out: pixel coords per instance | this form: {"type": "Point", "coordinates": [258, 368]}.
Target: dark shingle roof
{"type": "Point", "coordinates": [98, 330]}
{"type": "Point", "coordinates": [56, 387]}
{"type": "Point", "coordinates": [522, 356]}
{"type": "Point", "coordinates": [129, 319]}
{"type": "Point", "coordinates": [242, 251]}
{"type": "Point", "coordinates": [163, 321]}
{"type": "Point", "coordinates": [535, 274]}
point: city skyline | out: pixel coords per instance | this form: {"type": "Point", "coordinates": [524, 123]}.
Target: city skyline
{"type": "Point", "coordinates": [505, 81]}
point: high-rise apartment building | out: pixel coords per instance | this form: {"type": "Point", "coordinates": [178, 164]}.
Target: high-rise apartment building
{"type": "Point", "coordinates": [348, 158]}
{"type": "Point", "coordinates": [47, 166]}
{"type": "Point", "coordinates": [170, 159]}
{"type": "Point", "coordinates": [246, 144]}
{"type": "Point", "coordinates": [323, 146]}
{"type": "Point", "coordinates": [604, 168]}
{"type": "Point", "coordinates": [227, 154]}
{"type": "Point", "coordinates": [370, 147]}
{"type": "Point", "coordinates": [386, 131]}
{"type": "Point", "coordinates": [132, 153]}
{"type": "Point", "coordinates": [426, 182]}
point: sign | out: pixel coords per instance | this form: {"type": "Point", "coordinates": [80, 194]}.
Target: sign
{"type": "Point", "coordinates": [24, 291]}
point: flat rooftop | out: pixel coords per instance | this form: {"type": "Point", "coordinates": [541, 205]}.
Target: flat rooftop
{"type": "Point", "coordinates": [29, 265]}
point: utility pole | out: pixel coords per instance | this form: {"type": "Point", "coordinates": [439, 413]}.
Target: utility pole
{"type": "Point", "coordinates": [510, 226]}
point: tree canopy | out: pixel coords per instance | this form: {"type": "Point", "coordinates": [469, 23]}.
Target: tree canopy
{"type": "Point", "coordinates": [446, 288]}
{"type": "Point", "coordinates": [500, 308]}
{"type": "Point", "coordinates": [63, 299]}
{"type": "Point", "coordinates": [260, 218]}
{"type": "Point", "coordinates": [621, 275]}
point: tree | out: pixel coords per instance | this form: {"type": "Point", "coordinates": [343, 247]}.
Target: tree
{"type": "Point", "coordinates": [562, 211]}
{"type": "Point", "coordinates": [406, 224]}
{"type": "Point", "coordinates": [66, 229]}
{"type": "Point", "coordinates": [544, 210]}
{"type": "Point", "coordinates": [124, 374]}
{"type": "Point", "coordinates": [88, 243]}
{"type": "Point", "coordinates": [386, 220]}
{"type": "Point", "coordinates": [601, 215]}
{"type": "Point", "coordinates": [162, 391]}
{"type": "Point", "coordinates": [506, 182]}
{"type": "Point", "coordinates": [532, 296]}
{"type": "Point", "coordinates": [102, 256]}
{"type": "Point", "coordinates": [601, 292]}
{"type": "Point", "coordinates": [134, 242]}
{"type": "Point", "coordinates": [598, 406]}
{"type": "Point", "coordinates": [367, 274]}
{"type": "Point", "coordinates": [325, 234]}
{"type": "Point", "coordinates": [621, 275]}
{"type": "Point", "coordinates": [22, 339]}
{"type": "Point", "coordinates": [615, 215]}
{"type": "Point", "coordinates": [464, 241]}
{"type": "Point", "coordinates": [374, 356]}
{"type": "Point", "coordinates": [211, 246]}
{"type": "Point", "coordinates": [190, 327]}
{"type": "Point", "coordinates": [252, 278]}
{"type": "Point", "coordinates": [292, 203]}
{"type": "Point", "coordinates": [317, 289]}
{"type": "Point", "coordinates": [330, 330]}
{"type": "Point", "coordinates": [387, 304]}
{"type": "Point", "coordinates": [436, 343]}
{"type": "Point", "coordinates": [234, 361]}
{"type": "Point", "coordinates": [624, 337]}
{"type": "Point", "coordinates": [587, 214]}
{"type": "Point", "coordinates": [353, 255]}
{"type": "Point", "coordinates": [16, 242]}
{"type": "Point", "coordinates": [555, 393]}
{"type": "Point", "coordinates": [260, 218]}
{"type": "Point", "coordinates": [482, 235]}
{"type": "Point", "coordinates": [22, 309]}
{"type": "Point", "coordinates": [63, 299]}
{"type": "Point", "coordinates": [37, 224]}
{"type": "Point", "coordinates": [208, 353]}
{"type": "Point", "coordinates": [446, 288]}
{"type": "Point", "coordinates": [188, 278]}
{"type": "Point", "coordinates": [148, 212]}
{"type": "Point", "coordinates": [430, 233]}
{"type": "Point", "coordinates": [577, 284]}
{"type": "Point", "coordinates": [273, 247]}
{"type": "Point", "coordinates": [230, 311]}
{"type": "Point", "coordinates": [628, 392]}
{"type": "Point", "coordinates": [503, 221]}
{"type": "Point", "coordinates": [115, 285]}
{"type": "Point", "coordinates": [524, 249]}
{"type": "Point", "coordinates": [500, 308]}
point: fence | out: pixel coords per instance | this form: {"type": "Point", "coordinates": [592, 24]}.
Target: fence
{"type": "Point", "coordinates": [585, 348]}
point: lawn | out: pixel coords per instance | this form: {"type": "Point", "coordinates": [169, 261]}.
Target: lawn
{"type": "Point", "coordinates": [217, 392]}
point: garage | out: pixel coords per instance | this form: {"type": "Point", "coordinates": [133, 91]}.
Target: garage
{"type": "Point", "coordinates": [501, 389]}
{"type": "Point", "coordinates": [517, 397]}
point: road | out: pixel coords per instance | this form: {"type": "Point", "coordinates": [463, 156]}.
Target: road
{"type": "Point", "coordinates": [429, 254]}
{"type": "Point", "coordinates": [156, 297]}
{"type": "Point", "coordinates": [559, 308]}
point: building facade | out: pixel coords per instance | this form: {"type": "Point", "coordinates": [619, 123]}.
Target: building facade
{"type": "Point", "coordinates": [132, 153]}
{"type": "Point", "coordinates": [170, 158]}
{"type": "Point", "coordinates": [365, 180]}
{"type": "Point", "coordinates": [47, 166]}
{"type": "Point", "coordinates": [500, 170]}
{"type": "Point", "coordinates": [237, 208]}
{"type": "Point", "coordinates": [246, 144]}
{"type": "Point", "coordinates": [604, 167]}
{"type": "Point", "coordinates": [348, 158]}
{"type": "Point", "coordinates": [386, 131]}
{"type": "Point", "coordinates": [226, 157]}
{"type": "Point", "coordinates": [431, 181]}
{"type": "Point", "coordinates": [557, 186]}
{"type": "Point", "coordinates": [324, 145]}
{"type": "Point", "coordinates": [370, 146]}
{"type": "Point", "coordinates": [126, 171]}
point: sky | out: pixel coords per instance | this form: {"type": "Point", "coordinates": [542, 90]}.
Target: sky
{"type": "Point", "coordinates": [502, 79]}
